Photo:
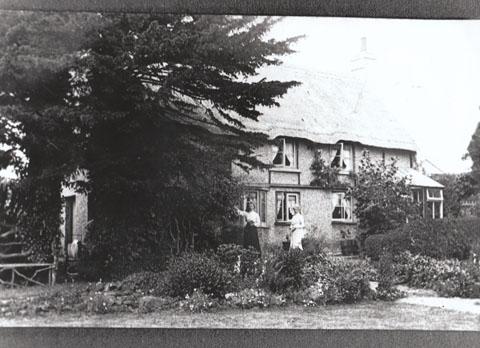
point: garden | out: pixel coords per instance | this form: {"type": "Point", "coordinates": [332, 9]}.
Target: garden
{"type": "Point", "coordinates": [105, 116]}
{"type": "Point", "coordinates": [233, 278]}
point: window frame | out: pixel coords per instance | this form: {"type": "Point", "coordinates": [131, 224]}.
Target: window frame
{"type": "Point", "coordinates": [294, 160]}
{"type": "Point", "coordinates": [350, 199]}
{"type": "Point", "coordinates": [348, 160]}
{"type": "Point", "coordinates": [432, 201]}
{"type": "Point", "coordinates": [285, 195]}
{"type": "Point", "coordinates": [261, 209]}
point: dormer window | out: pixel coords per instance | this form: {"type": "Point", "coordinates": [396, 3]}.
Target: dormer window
{"type": "Point", "coordinates": [342, 157]}
{"type": "Point", "coordinates": [285, 153]}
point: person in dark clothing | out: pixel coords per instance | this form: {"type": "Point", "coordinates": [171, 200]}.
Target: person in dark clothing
{"type": "Point", "coordinates": [250, 234]}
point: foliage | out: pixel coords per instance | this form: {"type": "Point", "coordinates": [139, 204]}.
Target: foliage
{"type": "Point", "coordinates": [237, 259]}
{"type": "Point", "coordinates": [199, 302]}
{"type": "Point", "coordinates": [451, 278]}
{"type": "Point", "coordinates": [334, 281]}
{"type": "Point", "coordinates": [254, 298]}
{"type": "Point", "coordinates": [191, 271]}
{"type": "Point", "coordinates": [377, 244]}
{"type": "Point", "coordinates": [473, 151]}
{"type": "Point", "coordinates": [386, 279]}
{"type": "Point", "coordinates": [382, 197]}
{"type": "Point", "coordinates": [458, 187]}
{"type": "Point", "coordinates": [284, 271]}
{"type": "Point", "coordinates": [150, 106]}
{"type": "Point", "coordinates": [324, 176]}
{"type": "Point", "coordinates": [439, 238]}
{"type": "Point", "coordinates": [314, 247]}
{"type": "Point", "coordinates": [144, 282]}
{"type": "Point", "coordinates": [37, 122]}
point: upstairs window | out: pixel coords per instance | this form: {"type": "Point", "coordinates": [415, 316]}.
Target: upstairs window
{"type": "Point", "coordinates": [342, 157]}
{"type": "Point", "coordinates": [285, 153]}
{"type": "Point", "coordinates": [342, 207]}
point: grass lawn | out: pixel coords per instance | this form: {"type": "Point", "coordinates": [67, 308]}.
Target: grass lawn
{"type": "Point", "coordinates": [365, 315]}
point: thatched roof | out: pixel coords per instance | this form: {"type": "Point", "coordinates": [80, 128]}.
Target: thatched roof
{"type": "Point", "coordinates": [327, 108]}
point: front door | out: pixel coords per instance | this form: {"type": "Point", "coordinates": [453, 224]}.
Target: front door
{"type": "Point", "coordinates": [69, 203]}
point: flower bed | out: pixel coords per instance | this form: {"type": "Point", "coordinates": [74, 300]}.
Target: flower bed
{"type": "Point", "coordinates": [450, 278]}
{"type": "Point", "coordinates": [202, 282]}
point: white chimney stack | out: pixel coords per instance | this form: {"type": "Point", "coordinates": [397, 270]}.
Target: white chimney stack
{"type": "Point", "coordinates": [363, 44]}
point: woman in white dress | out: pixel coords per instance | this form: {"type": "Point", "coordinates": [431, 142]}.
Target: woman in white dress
{"type": "Point", "coordinates": [297, 228]}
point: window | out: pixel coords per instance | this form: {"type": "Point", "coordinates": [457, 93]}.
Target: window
{"type": "Point", "coordinates": [342, 157]}
{"type": "Point", "coordinates": [417, 195]}
{"type": "Point", "coordinates": [435, 203]}
{"type": "Point", "coordinates": [285, 153]}
{"type": "Point", "coordinates": [259, 199]}
{"type": "Point", "coordinates": [342, 207]}
{"type": "Point", "coordinates": [284, 203]}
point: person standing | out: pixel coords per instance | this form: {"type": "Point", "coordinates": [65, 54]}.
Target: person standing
{"type": "Point", "coordinates": [250, 234]}
{"type": "Point", "coordinates": [297, 228]}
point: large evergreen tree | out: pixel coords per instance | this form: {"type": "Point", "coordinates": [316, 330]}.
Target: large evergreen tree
{"type": "Point", "coordinates": [474, 153]}
{"type": "Point", "coordinates": [152, 106]}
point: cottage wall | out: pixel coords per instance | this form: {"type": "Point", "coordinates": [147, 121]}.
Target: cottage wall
{"type": "Point", "coordinates": [316, 203]}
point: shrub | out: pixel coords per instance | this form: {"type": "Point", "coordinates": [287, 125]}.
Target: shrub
{"type": "Point", "coordinates": [439, 238]}
{"type": "Point", "coordinates": [284, 271]}
{"type": "Point", "coordinates": [144, 282]}
{"type": "Point", "coordinates": [334, 281]}
{"type": "Point", "coordinates": [254, 298]}
{"type": "Point", "coordinates": [314, 247]}
{"type": "Point", "coordinates": [447, 277]}
{"type": "Point", "coordinates": [229, 255]}
{"type": "Point", "coordinates": [392, 242]}
{"type": "Point", "coordinates": [352, 282]}
{"type": "Point", "coordinates": [386, 279]}
{"type": "Point", "coordinates": [199, 302]}
{"type": "Point", "coordinates": [191, 271]}
{"type": "Point", "coordinates": [382, 198]}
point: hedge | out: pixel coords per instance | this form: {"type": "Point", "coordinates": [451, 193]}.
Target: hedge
{"type": "Point", "coordinates": [439, 238]}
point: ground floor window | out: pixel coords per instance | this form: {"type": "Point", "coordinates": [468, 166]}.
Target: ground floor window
{"type": "Point", "coordinates": [259, 199]}
{"type": "Point", "coordinates": [284, 204]}
{"type": "Point", "coordinates": [342, 207]}
{"type": "Point", "coordinates": [430, 201]}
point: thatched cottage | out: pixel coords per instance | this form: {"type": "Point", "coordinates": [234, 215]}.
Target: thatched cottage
{"type": "Point", "coordinates": [339, 119]}
{"type": "Point", "coordinates": [335, 117]}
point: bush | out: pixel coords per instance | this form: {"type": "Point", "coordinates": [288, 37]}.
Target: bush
{"type": "Point", "coordinates": [144, 282]}
{"type": "Point", "coordinates": [254, 298]}
{"type": "Point", "coordinates": [239, 260]}
{"type": "Point", "coordinates": [199, 302]}
{"type": "Point", "coordinates": [335, 281]}
{"type": "Point", "coordinates": [448, 277]}
{"type": "Point", "coordinates": [392, 242]}
{"type": "Point", "coordinates": [351, 281]}
{"type": "Point", "coordinates": [284, 271]}
{"type": "Point", "coordinates": [203, 272]}
{"type": "Point", "coordinates": [314, 247]}
{"type": "Point", "coordinates": [386, 279]}
{"type": "Point", "coordinates": [439, 238]}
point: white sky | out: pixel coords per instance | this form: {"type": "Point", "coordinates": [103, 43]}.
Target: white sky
{"type": "Point", "coordinates": [427, 73]}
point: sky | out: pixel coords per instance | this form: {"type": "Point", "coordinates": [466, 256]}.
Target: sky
{"type": "Point", "coordinates": [427, 73]}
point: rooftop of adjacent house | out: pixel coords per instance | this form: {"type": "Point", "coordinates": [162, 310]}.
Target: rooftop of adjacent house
{"type": "Point", "coordinates": [328, 108]}
{"type": "Point", "coordinates": [418, 179]}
